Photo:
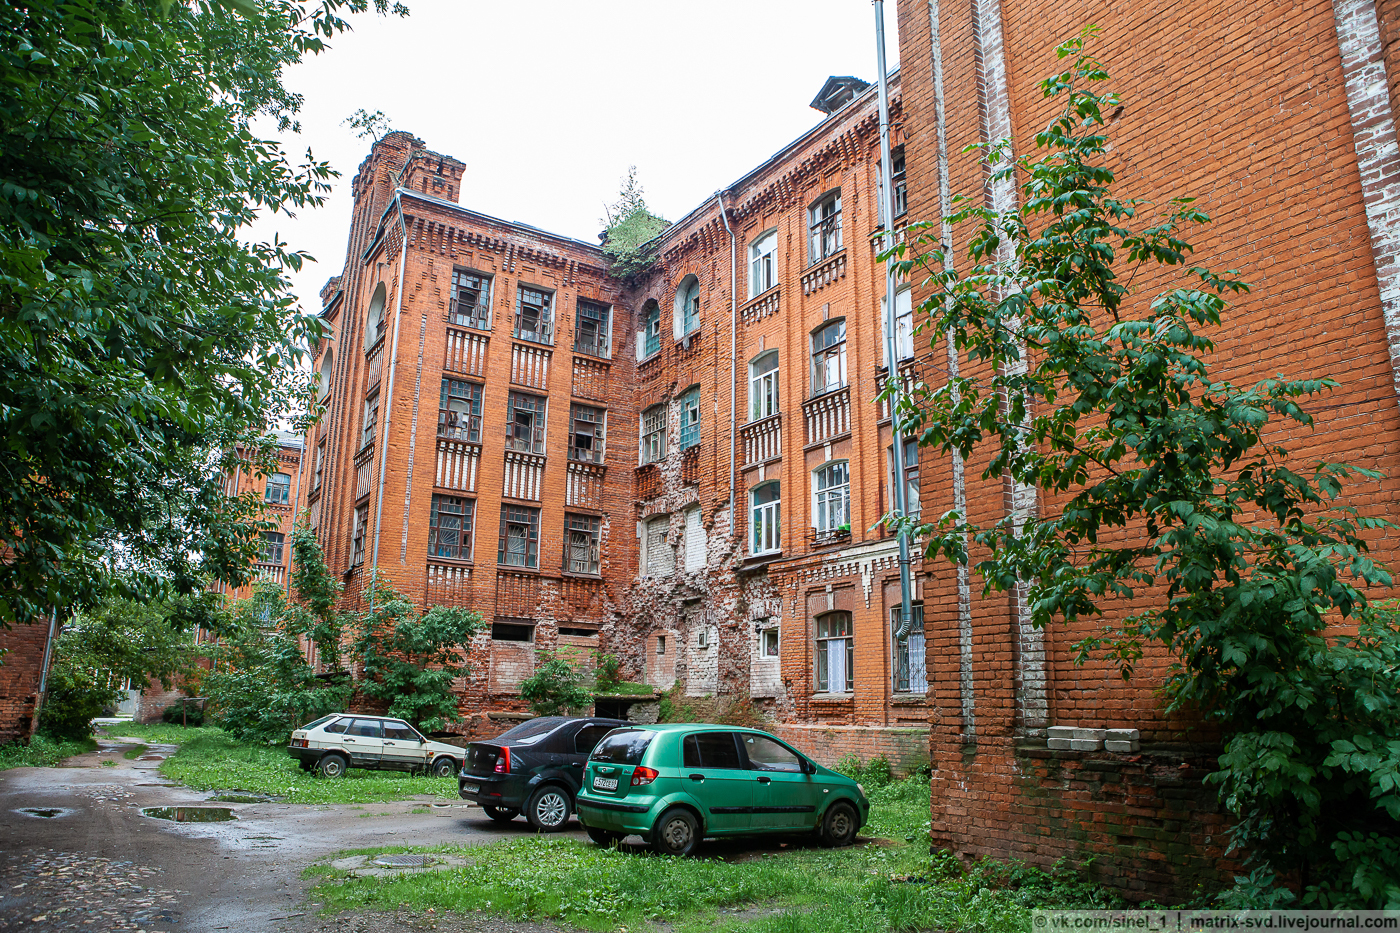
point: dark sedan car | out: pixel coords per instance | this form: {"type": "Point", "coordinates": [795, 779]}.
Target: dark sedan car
{"type": "Point", "coordinates": [535, 768]}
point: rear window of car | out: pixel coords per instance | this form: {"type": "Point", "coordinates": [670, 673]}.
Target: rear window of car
{"type": "Point", "coordinates": [711, 750]}
{"type": "Point", "coordinates": [316, 722]}
{"type": "Point", "coordinates": [336, 728]}
{"type": "Point", "coordinates": [369, 728]}
{"type": "Point", "coordinates": [624, 747]}
{"type": "Point", "coordinates": [588, 736]}
{"type": "Point", "coordinates": [528, 733]}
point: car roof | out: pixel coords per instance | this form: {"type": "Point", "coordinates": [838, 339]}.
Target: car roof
{"type": "Point", "coordinates": [692, 726]}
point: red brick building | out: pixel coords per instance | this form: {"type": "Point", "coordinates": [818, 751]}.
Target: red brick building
{"type": "Point", "coordinates": [1279, 118]}
{"type": "Point", "coordinates": [279, 492]}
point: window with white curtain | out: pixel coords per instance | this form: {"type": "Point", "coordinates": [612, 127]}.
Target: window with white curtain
{"type": "Point", "coordinates": [763, 263]}
{"type": "Point", "coordinates": [829, 357]}
{"type": "Point", "coordinates": [835, 653]}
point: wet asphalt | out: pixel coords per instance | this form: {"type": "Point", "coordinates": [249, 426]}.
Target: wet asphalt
{"type": "Point", "coordinates": [98, 863]}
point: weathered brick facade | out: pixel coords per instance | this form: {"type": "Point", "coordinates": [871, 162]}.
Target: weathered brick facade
{"type": "Point", "coordinates": [279, 491]}
{"type": "Point", "coordinates": [21, 674]}
{"type": "Point", "coordinates": [1278, 118]}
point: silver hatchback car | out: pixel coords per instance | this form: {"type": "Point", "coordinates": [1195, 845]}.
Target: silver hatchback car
{"type": "Point", "coordinates": [334, 743]}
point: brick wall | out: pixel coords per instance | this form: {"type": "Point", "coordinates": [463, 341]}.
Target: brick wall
{"type": "Point", "coordinates": [1274, 117]}
{"type": "Point", "coordinates": [21, 670]}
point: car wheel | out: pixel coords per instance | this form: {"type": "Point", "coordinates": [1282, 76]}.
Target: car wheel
{"type": "Point", "coordinates": [604, 837]}
{"type": "Point", "coordinates": [840, 825]}
{"type": "Point", "coordinates": [444, 767]}
{"type": "Point", "coordinates": [333, 766]}
{"type": "Point", "coordinates": [676, 833]}
{"type": "Point", "coordinates": [548, 809]}
{"type": "Point", "coordinates": [501, 814]}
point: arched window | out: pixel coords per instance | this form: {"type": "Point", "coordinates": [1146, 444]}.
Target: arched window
{"type": "Point", "coordinates": [763, 263]}
{"type": "Point", "coordinates": [765, 503]}
{"type": "Point", "coordinates": [763, 386]}
{"type": "Point", "coordinates": [687, 315]}
{"type": "Point", "coordinates": [323, 387]}
{"type": "Point", "coordinates": [829, 357]}
{"type": "Point", "coordinates": [835, 653]}
{"type": "Point", "coordinates": [374, 321]}
{"type": "Point", "coordinates": [279, 489]}
{"type": "Point", "coordinates": [824, 226]}
{"type": "Point", "coordinates": [649, 341]}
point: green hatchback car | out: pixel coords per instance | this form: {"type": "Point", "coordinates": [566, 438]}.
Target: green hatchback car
{"type": "Point", "coordinates": [676, 784]}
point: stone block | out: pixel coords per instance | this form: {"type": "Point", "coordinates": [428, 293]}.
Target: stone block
{"type": "Point", "coordinates": [1058, 743]}
{"type": "Point", "coordinates": [1060, 732]}
{"type": "Point", "coordinates": [1094, 735]}
{"type": "Point", "coordinates": [1120, 746]}
{"type": "Point", "coordinates": [1085, 745]}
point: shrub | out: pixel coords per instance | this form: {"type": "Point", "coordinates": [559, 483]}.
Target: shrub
{"type": "Point", "coordinates": [556, 688]}
{"type": "Point", "coordinates": [609, 671]}
{"type": "Point", "coordinates": [74, 698]}
{"type": "Point", "coordinates": [183, 712]}
{"type": "Point", "coordinates": [874, 773]}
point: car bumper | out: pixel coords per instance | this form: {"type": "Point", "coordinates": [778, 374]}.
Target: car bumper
{"type": "Point", "coordinates": [618, 815]}
{"type": "Point", "coordinates": [305, 754]}
{"type": "Point", "coordinates": [491, 791]}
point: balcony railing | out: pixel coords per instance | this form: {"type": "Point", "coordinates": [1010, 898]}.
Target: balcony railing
{"type": "Point", "coordinates": [596, 345]}
{"type": "Point", "coordinates": [374, 360]}
{"type": "Point", "coordinates": [587, 454]}
{"type": "Point", "coordinates": [830, 538]}
{"type": "Point", "coordinates": [271, 573]}
{"type": "Point", "coordinates": [466, 352]}
{"type": "Point", "coordinates": [763, 439]}
{"type": "Point", "coordinates": [827, 416]}
{"type": "Point", "coordinates": [364, 463]}
{"type": "Point", "coordinates": [824, 273]}
{"type": "Point", "coordinates": [476, 314]}
{"type": "Point", "coordinates": [470, 432]}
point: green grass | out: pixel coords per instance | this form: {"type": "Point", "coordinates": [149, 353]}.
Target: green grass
{"type": "Point", "coordinates": [874, 888]}
{"type": "Point", "coordinates": [42, 752]}
{"type": "Point", "coordinates": [157, 733]}
{"type": "Point", "coordinates": [627, 689]}
{"type": "Point", "coordinates": [135, 751]}
{"type": "Point", "coordinates": [211, 759]}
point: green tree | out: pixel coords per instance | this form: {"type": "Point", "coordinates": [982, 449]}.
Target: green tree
{"type": "Point", "coordinates": [630, 226]}
{"type": "Point", "coordinates": [556, 688]}
{"type": "Point", "coordinates": [141, 340]}
{"type": "Point", "coordinates": [1171, 487]}
{"type": "Point", "coordinates": [410, 659]}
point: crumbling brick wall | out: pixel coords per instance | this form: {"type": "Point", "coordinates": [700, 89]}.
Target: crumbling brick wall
{"type": "Point", "coordinates": [21, 671]}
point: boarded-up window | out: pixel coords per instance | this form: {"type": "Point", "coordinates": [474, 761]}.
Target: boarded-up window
{"type": "Point", "coordinates": [694, 541]}
{"type": "Point", "coordinates": [661, 557]}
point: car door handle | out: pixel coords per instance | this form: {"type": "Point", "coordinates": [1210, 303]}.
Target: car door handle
{"type": "Point", "coordinates": [697, 777]}
{"type": "Point", "coordinates": [575, 764]}
{"type": "Point", "coordinates": [765, 780]}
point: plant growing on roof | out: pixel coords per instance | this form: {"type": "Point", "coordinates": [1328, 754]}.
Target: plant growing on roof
{"type": "Point", "coordinates": [1171, 487]}
{"type": "Point", "coordinates": [629, 227]}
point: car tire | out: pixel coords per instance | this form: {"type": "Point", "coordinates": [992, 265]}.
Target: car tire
{"type": "Point", "coordinates": [549, 808]}
{"type": "Point", "coordinates": [444, 767]}
{"type": "Point", "coordinates": [840, 825]}
{"type": "Point", "coordinates": [501, 814]}
{"type": "Point", "coordinates": [676, 833]}
{"type": "Point", "coordinates": [332, 766]}
{"type": "Point", "coordinates": [604, 837]}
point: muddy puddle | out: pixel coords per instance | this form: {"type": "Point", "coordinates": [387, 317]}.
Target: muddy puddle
{"type": "Point", "coordinates": [190, 814]}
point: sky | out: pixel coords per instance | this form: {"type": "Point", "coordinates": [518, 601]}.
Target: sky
{"type": "Point", "coordinates": [548, 102]}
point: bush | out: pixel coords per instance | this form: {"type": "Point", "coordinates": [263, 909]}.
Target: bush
{"type": "Point", "coordinates": [874, 773]}
{"type": "Point", "coordinates": [556, 688]}
{"type": "Point", "coordinates": [75, 697]}
{"type": "Point", "coordinates": [609, 672]}
{"type": "Point", "coordinates": [183, 713]}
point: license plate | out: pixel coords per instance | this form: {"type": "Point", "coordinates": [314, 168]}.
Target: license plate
{"type": "Point", "coordinates": [600, 783]}
{"type": "Point", "coordinates": [470, 788]}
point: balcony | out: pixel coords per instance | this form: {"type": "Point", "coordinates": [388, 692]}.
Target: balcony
{"type": "Point", "coordinates": [271, 573]}
{"type": "Point", "coordinates": [906, 378]}
{"type": "Point", "coordinates": [457, 464]}
{"type": "Point", "coordinates": [466, 352]}
{"type": "Point", "coordinates": [828, 270]}
{"type": "Point", "coordinates": [761, 307]}
{"type": "Point", "coordinates": [762, 440]}
{"type": "Point", "coordinates": [592, 345]}
{"type": "Point", "coordinates": [374, 362]}
{"type": "Point", "coordinates": [529, 366]}
{"type": "Point", "coordinates": [648, 481]}
{"type": "Point", "coordinates": [448, 583]}
{"type": "Point", "coordinates": [475, 314]}
{"type": "Point", "coordinates": [827, 416]}
{"type": "Point", "coordinates": [524, 475]}
{"type": "Point", "coordinates": [534, 331]}
{"type": "Point", "coordinates": [583, 485]}
{"type": "Point", "coordinates": [364, 464]}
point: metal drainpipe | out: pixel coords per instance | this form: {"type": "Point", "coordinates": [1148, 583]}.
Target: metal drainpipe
{"type": "Point", "coordinates": [733, 356]}
{"type": "Point", "coordinates": [388, 397]}
{"type": "Point", "coordinates": [906, 619]}
{"type": "Point", "coordinates": [48, 656]}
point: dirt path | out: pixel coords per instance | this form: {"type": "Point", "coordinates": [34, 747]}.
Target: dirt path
{"type": "Point", "coordinates": [76, 853]}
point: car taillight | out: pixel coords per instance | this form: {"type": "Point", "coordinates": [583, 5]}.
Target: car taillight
{"type": "Point", "coordinates": [644, 775]}
{"type": "Point", "coordinates": [503, 762]}
{"type": "Point", "coordinates": [300, 743]}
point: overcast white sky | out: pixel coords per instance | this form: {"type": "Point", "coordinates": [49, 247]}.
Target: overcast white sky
{"type": "Point", "coordinates": [548, 101]}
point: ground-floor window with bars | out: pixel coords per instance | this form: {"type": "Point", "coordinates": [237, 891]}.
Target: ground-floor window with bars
{"type": "Point", "coordinates": [836, 654]}
{"type": "Point", "coordinates": [520, 537]}
{"type": "Point", "coordinates": [583, 544]}
{"type": "Point", "coordinates": [450, 527]}
{"type": "Point", "coordinates": [910, 675]}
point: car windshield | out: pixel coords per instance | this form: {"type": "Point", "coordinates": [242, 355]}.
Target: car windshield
{"type": "Point", "coordinates": [316, 722]}
{"type": "Point", "coordinates": [528, 733]}
{"type": "Point", "coordinates": [623, 747]}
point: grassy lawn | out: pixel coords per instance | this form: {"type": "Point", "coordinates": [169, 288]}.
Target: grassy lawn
{"type": "Point", "coordinates": [210, 759]}
{"type": "Point", "coordinates": [880, 887]}
{"type": "Point", "coordinates": [41, 752]}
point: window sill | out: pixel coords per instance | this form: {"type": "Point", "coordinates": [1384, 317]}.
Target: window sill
{"type": "Point", "coordinates": [822, 260]}
{"type": "Point", "coordinates": [833, 697]}
{"type": "Point", "coordinates": [454, 561]}
{"type": "Point", "coordinates": [908, 699]}
{"type": "Point", "coordinates": [580, 576]}
{"type": "Point", "coordinates": [513, 568]}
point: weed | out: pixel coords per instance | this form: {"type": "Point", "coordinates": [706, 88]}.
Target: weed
{"type": "Point", "coordinates": [136, 751]}
{"type": "Point", "coordinates": [109, 763]}
{"type": "Point", "coordinates": [42, 752]}
{"type": "Point", "coordinates": [874, 773]}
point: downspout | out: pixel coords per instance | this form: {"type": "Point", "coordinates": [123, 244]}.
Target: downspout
{"type": "Point", "coordinates": [733, 357]}
{"type": "Point", "coordinates": [44, 672]}
{"type": "Point", "coordinates": [901, 506]}
{"type": "Point", "coordinates": [388, 397]}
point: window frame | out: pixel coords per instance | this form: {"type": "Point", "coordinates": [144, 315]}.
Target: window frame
{"type": "Point", "coordinates": [470, 419]}
{"type": "Point", "coordinates": [585, 531]}
{"type": "Point", "coordinates": [775, 635]}
{"type": "Point", "coordinates": [766, 519]}
{"type": "Point", "coordinates": [370, 427]}
{"type": "Point", "coordinates": [285, 495]}
{"type": "Point", "coordinates": [821, 673]}
{"type": "Point", "coordinates": [763, 262]}
{"type": "Point", "coordinates": [519, 516]}
{"type": "Point", "coordinates": [601, 344]}
{"type": "Point", "coordinates": [535, 442]}
{"type": "Point", "coordinates": [651, 330]}
{"type": "Point", "coordinates": [913, 507]}
{"type": "Point", "coordinates": [543, 332]}
{"type": "Point", "coordinates": [597, 434]}
{"type": "Point", "coordinates": [822, 358]}
{"type": "Point", "coordinates": [652, 448]}
{"type": "Point", "coordinates": [359, 526]}
{"type": "Point", "coordinates": [903, 327]}
{"type": "Point", "coordinates": [267, 556]}
{"type": "Point", "coordinates": [902, 672]}
{"type": "Point", "coordinates": [480, 319]}
{"type": "Point", "coordinates": [687, 310]}
{"type": "Point", "coordinates": [689, 435]}
{"type": "Point", "coordinates": [822, 498]}
{"type": "Point", "coordinates": [824, 237]}
{"type": "Point", "coordinates": [465, 531]}
{"type": "Point", "coordinates": [765, 400]}
{"type": "Point", "coordinates": [374, 317]}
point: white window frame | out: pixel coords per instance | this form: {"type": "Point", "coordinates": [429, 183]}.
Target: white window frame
{"type": "Point", "coordinates": [903, 327]}
{"type": "Point", "coordinates": [766, 520]}
{"type": "Point", "coordinates": [764, 401]}
{"type": "Point", "coordinates": [764, 635]}
{"type": "Point", "coordinates": [912, 507]}
{"type": "Point", "coordinates": [840, 647]}
{"type": "Point", "coordinates": [686, 317]}
{"type": "Point", "coordinates": [824, 227]}
{"type": "Point", "coordinates": [831, 503]}
{"type": "Point", "coordinates": [829, 361]}
{"type": "Point", "coordinates": [763, 263]}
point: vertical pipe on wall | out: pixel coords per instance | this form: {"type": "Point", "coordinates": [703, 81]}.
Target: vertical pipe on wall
{"type": "Point", "coordinates": [393, 351]}
{"type": "Point", "coordinates": [733, 357]}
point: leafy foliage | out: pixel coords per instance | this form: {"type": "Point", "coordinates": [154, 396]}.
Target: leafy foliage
{"type": "Point", "coordinates": [42, 752]}
{"type": "Point", "coordinates": [142, 342]}
{"type": "Point", "coordinates": [608, 671]}
{"type": "Point", "coordinates": [630, 226]}
{"type": "Point", "coordinates": [1171, 487]}
{"type": "Point", "coordinates": [556, 688]}
{"type": "Point", "coordinates": [874, 773]}
{"type": "Point", "coordinates": [410, 661]}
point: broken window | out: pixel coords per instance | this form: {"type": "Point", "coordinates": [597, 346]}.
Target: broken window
{"type": "Point", "coordinates": [534, 317]}
{"type": "Point", "coordinates": [525, 427]}
{"type": "Point", "coordinates": [459, 410]}
{"type": "Point", "coordinates": [824, 227]}
{"type": "Point", "coordinates": [450, 527]}
{"type": "Point", "coordinates": [829, 357]}
{"type": "Point", "coordinates": [651, 329]}
{"type": "Point", "coordinates": [583, 543]}
{"type": "Point", "coordinates": [371, 421]}
{"type": "Point", "coordinates": [591, 328]}
{"type": "Point", "coordinates": [520, 537]}
{"type": "Point", "coordinates": [357, 537]}
{"type": "Point", "coordinates": [470, 305]}
{"type": "Point", "coordinates": [654, 434]}
{"type": "Point", "coordinates": [586, 425]}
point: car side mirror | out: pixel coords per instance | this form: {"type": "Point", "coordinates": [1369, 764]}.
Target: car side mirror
{"type": "Point", "coordinates": [808, 767]}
